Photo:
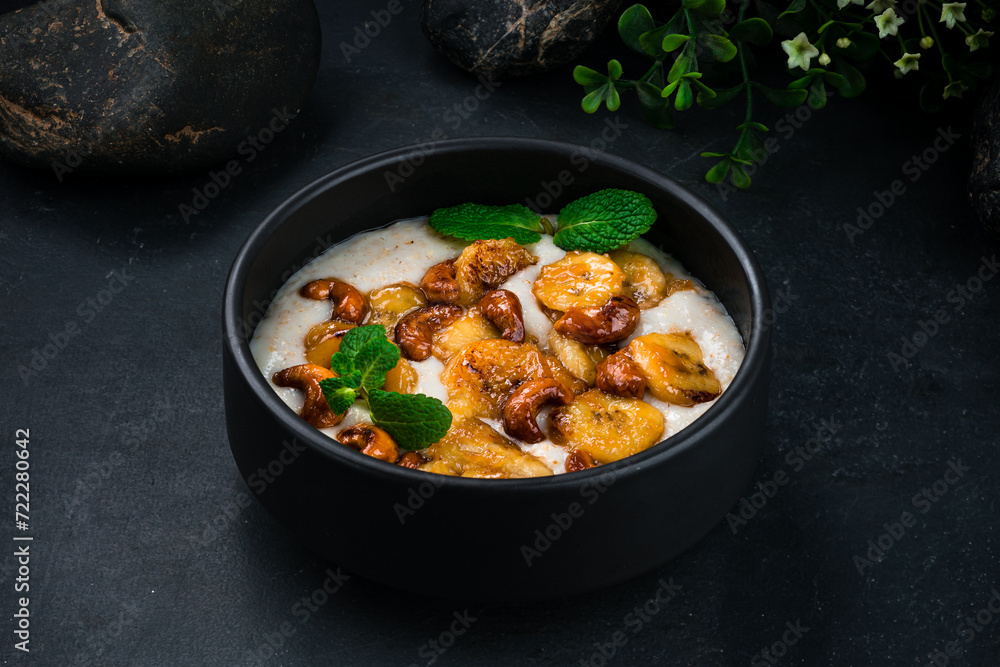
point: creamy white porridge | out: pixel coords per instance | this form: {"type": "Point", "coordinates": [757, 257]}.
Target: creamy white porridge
{"type": "Point", "coordinates": [403, 253]}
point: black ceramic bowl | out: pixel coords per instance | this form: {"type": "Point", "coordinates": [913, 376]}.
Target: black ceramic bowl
{"type": "Point", "coordinates": [491, 539]}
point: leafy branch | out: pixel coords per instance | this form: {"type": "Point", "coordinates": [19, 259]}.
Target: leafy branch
{"type": "Point", "coordinates": [703, 44]}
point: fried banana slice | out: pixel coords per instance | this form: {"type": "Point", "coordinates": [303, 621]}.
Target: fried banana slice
{"type": "Point", "coordinates": [644, 278]}
{"type": "Point", "coordinates": [481, 377]}
{"type": "Point", "coordinates": [607, 427]}
{"type": "Point", "coordinates": [579, 280]}
{"type": "Point", "coordinates": [470, 328]}
{"type": "Point", "coordinates": [485, 265]}
{"type": "Point", "coordinates": [674, 368]}
{"type": "Point", "coordinates": [472, 448]}
{"type": "Point", "coordinates": [579, 359]}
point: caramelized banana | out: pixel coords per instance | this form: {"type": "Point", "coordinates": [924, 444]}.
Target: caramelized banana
{"type": "Point", "coordinates": [674, 368]}
{"type": "Point", "coordinates": [485, 265]}
{"type": "Point", "coordinates": [643, 277]}
{"type": "Point", "coordinates": [481, 377]}
{"type": "Point", "coordinates": [402, 379]}
{"type": "Point", "coordinates": [470, 328]}
{"type": "Point", "coordinates": [675, 285]}
{"type": "Point", "coordinates": [389, 304]}
{"type": "Point", "coordinates": [472, 448]}
{"type": "Point", "coordinates": [579, 280]}
{"type": "Point", "coordinates": [579, 359]}
{"type": "Point", "coordinates": [607, 428]}
{"type": "Point", "coordinates": [323, 340]}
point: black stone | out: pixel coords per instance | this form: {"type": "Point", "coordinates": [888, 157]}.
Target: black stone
{"type": "Point", "coordinates": [510, 38]}
{"type": "Point", "coordinates": [144, 86]}
{"type": "Point", "coordinates": [984, 180]}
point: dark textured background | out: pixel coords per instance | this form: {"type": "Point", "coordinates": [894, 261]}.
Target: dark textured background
{"type": "Point", "coordinates": [145, 555]}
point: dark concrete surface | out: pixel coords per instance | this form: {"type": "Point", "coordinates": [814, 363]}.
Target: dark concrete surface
{"type": "Point", "coordinates": [148, 548]}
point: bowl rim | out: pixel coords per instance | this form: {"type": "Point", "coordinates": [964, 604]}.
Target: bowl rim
{"type": "Point", "coordinates": [755, 360]}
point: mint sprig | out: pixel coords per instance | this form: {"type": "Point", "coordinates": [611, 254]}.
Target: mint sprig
{"type": "Point", "coordinates": [367, 352]}
{"type": "Point", "coordinates": [361, 363]}
{"type": "Point", "coordinates": [604, 220]}
{"type": "Point", "coordinates": [474, 222]}
{"type": "Point", "coordinates": [599, 222]}
{"type": "Point", "coordinates": [413, 420]}
{"type": "Point", "coordinates": [340, 392]}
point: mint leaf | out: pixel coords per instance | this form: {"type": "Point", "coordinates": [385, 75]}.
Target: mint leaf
{"type": "Point", "coordinates": [367, 352]}
{"type": "Point", "coordinates": [473, 222]}
{"type": "Point", "coordinates": [413, 420]}
{"type": "Point", "coordinates": [340, 392]}
{"type": "Point", "coordinates": [371, 353]}
{"type": "Point", "coordinates": [604, 220]}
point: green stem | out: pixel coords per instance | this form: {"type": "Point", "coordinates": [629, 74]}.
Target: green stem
{"type": "Point", "coordinates": [937, 39]}
{"type": "Point", "coordinates": [746, 82]}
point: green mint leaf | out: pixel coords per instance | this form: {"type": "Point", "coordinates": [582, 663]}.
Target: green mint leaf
{"type": "Point", "coordinates": [473, 222]}
{"type": "Point", "coordinates": [375, 360]}
{"type": "Point", "coordinates": [413, 420]}
{"type": "Point", "coordinates": [368, 353]}
{"type": "Point", "coordinates": [604, 220]}
{"type": "Point", "coordinates": [340, 392]}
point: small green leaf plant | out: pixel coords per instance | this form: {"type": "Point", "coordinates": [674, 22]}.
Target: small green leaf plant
{"type": "Point", "coordinates": [703, 45]}
{"type": "Point", "coordinates": [598, 222]}
{"type": "Point", "coordinates": [361, 363]}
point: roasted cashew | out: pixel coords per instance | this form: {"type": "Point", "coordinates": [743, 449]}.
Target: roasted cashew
{"type": "Point", "coordinates": [600, 325]}
{"type": "Point", "coordinates": [307, 377]}
{"type": "Point", "coordinates": [503, 309]}
{"type": "Point", "coordinates": [621, 376]}
{"type": "Point", "coordinates": [348, 303]}
{"type": "Point", "coordinates": [521, 409]}
{"type": "Point", "coordinates": [371, 440]}
{"type": "Point", "coordinates": [440, 284]}
{"type": "Point", "coordinates": [579, 460]}
{"type": "Point", "coordinates": [415, 331]}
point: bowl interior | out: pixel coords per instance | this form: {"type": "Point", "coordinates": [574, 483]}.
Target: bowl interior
{"type": "Point", "coordinates": [544, 175]}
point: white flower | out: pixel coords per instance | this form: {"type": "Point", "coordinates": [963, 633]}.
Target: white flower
{"type": "Point", "coordinates": [909, 61]}
{"type": "Point", "coordinates": [843, 3]}
{"type": "Point", "coordinates": [824, 60]}
{"type": "Point", "coordinates": [888, 23]}
{"type": "Point", "coordinates": [926, 42]}
{"type": "Point", "coordinates": [980, 40]}
{"type": "Point", "coordinates": [799, 51]}
{"type": "Point", "coordinates": [843, 42]}
{"type": "Point", "coordinates": [880, 6]}
{"type": "Point", "coordinates": [952, 12]}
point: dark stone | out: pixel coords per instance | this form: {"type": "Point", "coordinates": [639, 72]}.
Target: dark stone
{"type": "Point", "coordinates": [984, 180]}
{"type": "Point", "coordinates": [150, 86]}
{"type": "Point", "coordinates": [510, 38]}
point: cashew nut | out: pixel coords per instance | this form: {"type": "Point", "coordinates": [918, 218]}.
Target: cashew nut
{"type": "Point", "coordinates": [307, 377]}
{"type": "Point", "coordinates": [503, 309]}
{"type": "Point", "coordinates": [440, 284]}
{"type": "Point", "coordinates": [600, 325]}
{"type": "Point", "coordinates": [621, 376]}
{"type": "Point", "coordinates": [411, 460]}
{"type": "Point", "coordinates": [521, 409]}
{"type": "Point", "coordinates": [579, 460]}
{"type": "Point", "coordinates": [415, 331]}
{"type": "Point", "coordinates": [348, 303]}
{"type": "Point", "coordinates": [371, 440]}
